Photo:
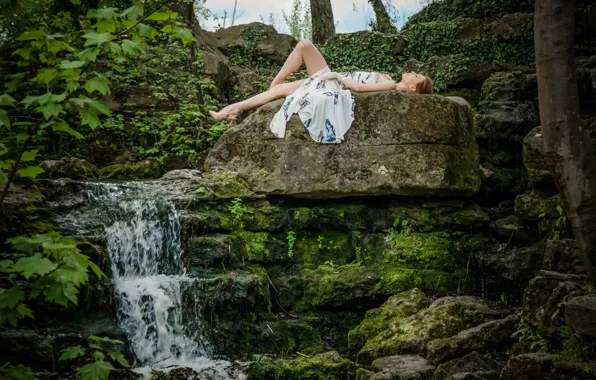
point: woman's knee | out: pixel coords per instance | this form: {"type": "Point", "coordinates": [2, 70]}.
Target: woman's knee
{"type": "Point", "coordinates": [304, 44]}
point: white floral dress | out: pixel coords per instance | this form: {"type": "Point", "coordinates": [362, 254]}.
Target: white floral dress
{"type": "Point", "coordinates": [326, 108]}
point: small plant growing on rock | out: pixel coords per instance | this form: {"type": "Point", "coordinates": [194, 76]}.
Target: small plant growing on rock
{"type": "Point", "coordinates": [291, 237]}
{"type": "Point", "coordinates": [237, 209]}
{"type": "Point", "coordinates": [99, 358]}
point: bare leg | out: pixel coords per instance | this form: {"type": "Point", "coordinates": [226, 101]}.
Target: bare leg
{"type": "Point", "coordinates": [305, 51]}
{"type": "Point", "coordinates": [281, 91]}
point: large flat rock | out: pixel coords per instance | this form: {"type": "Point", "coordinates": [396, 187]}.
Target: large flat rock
{"type": "Point", "coordinates": [399, 144]}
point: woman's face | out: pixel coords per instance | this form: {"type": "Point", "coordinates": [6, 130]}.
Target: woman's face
{"type": "Point", "coordinates": [412, 79]}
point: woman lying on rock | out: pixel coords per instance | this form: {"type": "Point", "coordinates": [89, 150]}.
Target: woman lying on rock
{"type": "Point", "coordinates": [323, 101]}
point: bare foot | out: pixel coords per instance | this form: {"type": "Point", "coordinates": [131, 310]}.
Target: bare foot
{"type": "Point", "coordinates": [224, 115]}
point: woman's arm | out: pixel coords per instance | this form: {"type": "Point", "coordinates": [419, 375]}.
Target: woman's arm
{"type": "Point", "coordinates": [360, 87]}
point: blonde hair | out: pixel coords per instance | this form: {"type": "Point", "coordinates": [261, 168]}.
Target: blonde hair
{"type": "Point", "coordinates": [425, 87]}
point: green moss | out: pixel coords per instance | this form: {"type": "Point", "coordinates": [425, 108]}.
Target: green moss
{"type": "Point", "coordinates": [224, 185]}
{"type": "Point", "coordinates": [471, 96]}
{"type": "Point", "coordinates": [327, 366]}
{"type": "Point", "coordinates": [312, 249]}
{"type": "Point", "coordinates": [436, 250]}
{"type": "Point", "coordinates": [140, 170]}
{"type": "Point", "coordinates": [262, 247]}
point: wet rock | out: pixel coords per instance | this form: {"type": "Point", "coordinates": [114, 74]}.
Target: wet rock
{"type": "Point", "coordinates": [512, 228]}
{"type": "Point", "coordinates": [473, 362]}
{"type": "Point", "coordinates": [378, 156]}
{"type": "Point", "coordinates": [574, 371]}
{"type": "Point", "coordinates": [329, 366]}
{"type": "Point", "coordinates": [580, 315]}
{"type": "Point", "coordinates": [444, 318]}
{"type": "Point", "coordinates": [528, 367]}
{"type": "Point", "coordinates": [69, 167]}
{"type": "Point", "coordinates": [212, 251]}
{"type": "Point", "coordinates": [482, 375]}
{"type": "Point", "coordinates": [507, 269]}
{"type": "Point", "coordinates": [487, 336]}
{"type": "Point", "coordinates": [544, 296]}
{"type": "Point", "coordinates": [401, 367]}
{"type": "Point", "coordinates": [182, 174]}
{"type": "Point", "coordinates": [563, 256]}
{"type": "Point", "coordinates": [399, 306]}
{"type": "Point", "coordinates": [141, 170]}
{"type": "Point", "coordinates": [534, 158]}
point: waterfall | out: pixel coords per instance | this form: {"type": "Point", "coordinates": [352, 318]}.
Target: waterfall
{"type": "Point", "coordinates": [142, 238]}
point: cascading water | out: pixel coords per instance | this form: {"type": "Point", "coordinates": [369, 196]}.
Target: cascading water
{"type": "Point", "coordinates": [142, 237]}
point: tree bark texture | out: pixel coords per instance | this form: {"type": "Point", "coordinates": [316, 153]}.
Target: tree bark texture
{"type": "Point", "coordinates": [323, 25]}
{"type": "Point", "coordinates": [568, 148]}
{"type": "Point", "coordinates": [383, 23]}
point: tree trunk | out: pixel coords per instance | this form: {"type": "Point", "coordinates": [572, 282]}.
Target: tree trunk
{"type": "Point", "coordinates": [568, 148]}
{"type": "Point", "coordinates": [383, 23]}
{"type": "Point", "coordinates": [323, 26]}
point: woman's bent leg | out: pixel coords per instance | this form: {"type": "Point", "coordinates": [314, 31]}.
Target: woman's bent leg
{"type": "Point", "coordinates": [305, 51]}
{"type": "Point", "coordinates": [280, 91]}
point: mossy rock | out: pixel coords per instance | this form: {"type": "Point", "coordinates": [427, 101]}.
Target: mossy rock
{"type": "Point", "coordinates": [535, 206]}
{"type": "Point", "coordinates": [377, 320]}
{"type": "Point", "coordinates": [482, 9]}
{"type": "Point", "coordinates": [327, 366]}
{"type": "Point", "coordinates": [69, 167]}
{"type": "Point", "coordinates": [444, 318]}
{"type": "Point", "coordinates": [212, 251]}
{"type": "Point", "coordinates": [263, 247]}
{"type": "Point", "coordinates": [259, 215]}
{"type": "Point", "coordinates": [141, 170]}
{"type": "Point", "coordinates": [510, 86]}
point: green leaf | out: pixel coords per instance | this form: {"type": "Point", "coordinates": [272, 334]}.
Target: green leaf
{"type": "Point", "coordinates": [24, 311]}
{"type": "Point", "coordinates": [94, 104]}
{"type": "Point", "coordinates": [76, 2]}
{"type": "Point", "coordinates": [32, 35]}
{"type": "Point", "coordinates": [56, 46]}
{"type": "Point", "coordinates": [159, 16]}
{"type": "Point", "coordinates": [7, 100]}
{"type": "Point", "coordinates": [25, 53]}
{"type": "Point", "coordinates": [115, 48]}
{"type": "Point", "coordinates": [9, 299]}
{"type": "Point", "coordinates": [98, 370]}
{"type": "Point", "coordinates": [29, 155]}
{"type": "Point", "coordinates": [58, 98]}
{"type": "Point", "coordinates": [104, 26]}
{"type": "Point", "coordinates": [147, 31]}
{"type": "Point", "coordinates": [72, 64]}
{"type": "Point", "coordinates": [118, 357]}
{"type": "Point", "coordinates": [132, 48]}
{"type": "Point", "coordinates": [90, 118]}
{"type": "Point", "coordinates": [63, 127]}
{"type": "Point", "coordinates": [184, 34]}
{"type": "Point", "coordinates": [102, 14]}
{"type": "Point", "coordinates": [99, 83]}
{"type": "Point", "coordinates": [71, 353]}
{"type": "Point", "coordinates": [20, 372]}
{"type": "Point", "coordinates": [4, 119]}
{"type": "Point", "coordinates": [50, 109]}
{"type": "Point", "coordinates": [89, 54]}
{"type": "Point", "coordinates": [30, 171]}
{"type": "Point", "coordinates": [72, 86]}
{"type": "Point", "coordinates": [98, 272]}
{"type": "Point", "coordinates": [98, 355]}
{"type": "Point", "coordinates": [133, 12]}
{"type": "Point", "coordinates": [46, 75]}
{"type": "Point", "coordinates": [36, 264]}
{"type": "Point", "coordinates": [94, 38]}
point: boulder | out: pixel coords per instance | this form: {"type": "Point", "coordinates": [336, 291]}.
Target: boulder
{"type": "Point", "coordinates": [442, 319]}
{"type": "Point", "coordinates": [506, 270]}
{"type": "Point", "coordinates": [574, 370]}
{"type": "Point", "coordinates": [401, 305]}
{"type": "Point", "coordinates": [535, 206]}
{"type": "Point", "coordinates": [399, 144]}
{"type": "Point", "coordinates": [512, 228]}
{"type": "Point", "coordinates": [544, 298]}
{"type": "Point", "coordinates": [69, 167]}
{"type": "Point", "coordinates": [401, 367]}
{"type": "Point", "coordinates": [563, 256]}
{"type": "Point", "coordinates": [253, 40]}
{"type": "Point", "coordinates": [506, 120]}
{"type": "Point", "coordinates": [485, 337]}
{"type": "Point", "coordinates": [528, 367]}
{"type": "Point", "coordinates": [141, 170]}
{"type": "Point", "coordinates": [580, 315]}
{"type": "Point", "coordinates": [329, 365]}
{"type": "Point", "coordinates": [510, 86]}
{"type": "Point", "coordinates": [473, 362]}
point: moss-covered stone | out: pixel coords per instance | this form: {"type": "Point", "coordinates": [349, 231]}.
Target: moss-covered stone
{"type": "Point", "coordinates": [69, 167]}
{"type": "Point", "coordinates": [263, 247]}
{"type": "Point", "coordinates": [401, 305]}
{"type": "Point", "coordinates": [212, 251]}
{"type": "Point", "coordinates": [327, 366]}
{"type": "Point", "coordinates": [510, 86]}
{"type": "Point", "coordinates": [535, 206]}
{"type": "Point", "coordinates": [141, 170]}
{"type": "Point", "coordinates": [445, 317]}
